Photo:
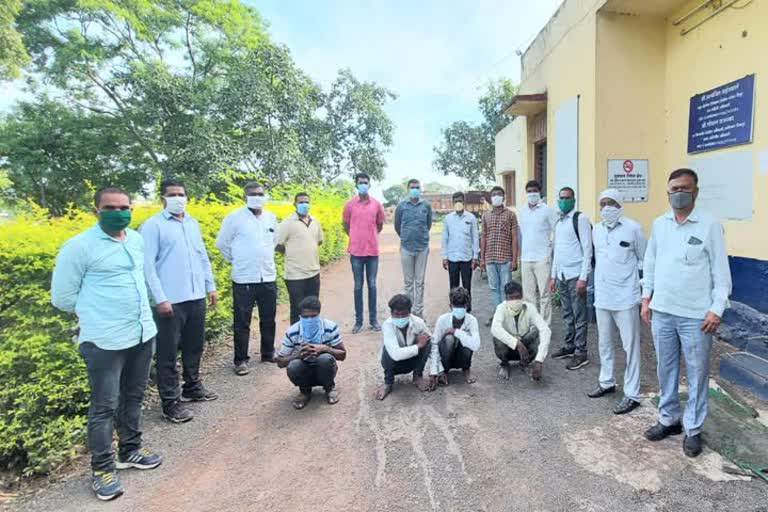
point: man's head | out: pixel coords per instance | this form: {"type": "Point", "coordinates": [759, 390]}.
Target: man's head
{"type": "Point", "coordinates": [400, 306]}
{"type": "Point", "coordinates": [566, 200]}
{"type": "Point", "coordinates": [255, 196]}
{"type": "Point", "coordinates": [513, 291]}
{"type": "Point", "coordinates": [112, 206]}
{"type": "Point", "coordinates": [174, 195]}
{"type": "Point", "coordinates": [497, 196]}
{"type": "Point", "coordinates": [309, 307]}
{"type": "Point", "coordinates": [458, 201]}
{"type": "Point", "coordinates": [414, 189]}
{"type": "Point", "coordinates": [301, 201]}
{"type": "Point", "coordinates": [533, 192]}
{"type": "Point", "coordinates": [362, 183]}
{"type": "Point", "coordinates": [611, 197]}
{"type": "Point", "coordinates": [683, 189]}
{"type": "Point", "coordinates": [459, 298]}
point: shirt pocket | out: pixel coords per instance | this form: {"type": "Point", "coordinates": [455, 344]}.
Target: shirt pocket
{"type": "Point", "coordinates": [619, 253]}
{"type": "Point", "coordinates": [694, 253]}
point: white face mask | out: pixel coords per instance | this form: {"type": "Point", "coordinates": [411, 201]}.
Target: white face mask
{"type": "Point", "coordinates": [533, 198]}
{"type": "Point", "coordinates": [515, 306]}
{"type": "Point", "coordinates": [256, 202]}
{"type": "Point", "coordinates": [611, 215]}
{"type": "Point", "coordinates": [175, 204]}
{"type": "Point", "coordinates": [497, 200]}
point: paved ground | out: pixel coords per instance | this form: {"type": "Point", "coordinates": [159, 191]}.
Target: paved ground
{"type": "Point", "coordinates": [481, 447]}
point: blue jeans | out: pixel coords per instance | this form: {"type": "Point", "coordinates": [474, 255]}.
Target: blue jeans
{"type": "Point", "coordinates": [575, 318]}
{"type": "Point", "coordinates": [365, 267]}
{"type": "Point", "coordinates": [673, 335]}
{"type": "Point", "coordinates": [498, 277]}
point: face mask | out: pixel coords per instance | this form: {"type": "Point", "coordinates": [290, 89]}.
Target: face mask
{"type": "Point", "coordinates": [680, 200]}
{"type": "Point", "coordinates": [256, 202]}
{"type": "Point", "coordinates": [611, 215]}
{"type": "Point", "coordinates": [401, 323]}
{"type": "Point", "coordinates": [415, 193]}
{"type": "Point", "coordinates": [310, 328]}
{"type": "Point", "coordinates": [175, 204]}
{"type": "Point", "coordinates": [497, 200]}
{"type": "Point", "coordinates": [533, 198]}
{"type": "Point", "coordinates": [566, 204]}
{"type": "Point", "coordinates": [363, 188]}
{"type": "Point", "coordinates": [459, 207]}
{"type": "Point", "coordinates": [459, 313]}
{"type": "Point", "coordinates": [302, 208]}
{"type": "Point", "coordinates": [515, 306]}
{"type": "Point", "coordinates": [114, 220]}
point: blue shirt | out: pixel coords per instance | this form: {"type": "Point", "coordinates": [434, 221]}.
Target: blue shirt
{"type": "Point", "coordinates": [461, 238]}
{"type": "Point", "coordinates": [294, 337]}
{"type": "Point", "coordinates": [412, 223]}
{"type": "Point", "coordinates": [176, 264]}
{"type": "Point", "coordinates": [101, 280]}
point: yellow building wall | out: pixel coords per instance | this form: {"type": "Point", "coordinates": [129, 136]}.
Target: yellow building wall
{"type": "Point", "coordinates": [715, 53]}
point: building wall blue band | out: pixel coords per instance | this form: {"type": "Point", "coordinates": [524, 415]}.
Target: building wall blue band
{"type": "Point", "coordinates": [750, 282]}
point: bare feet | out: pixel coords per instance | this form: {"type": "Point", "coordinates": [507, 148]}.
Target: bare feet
{"type": "Point", "coordinates": [383, 391]}
{"type": "Point", "coordinates": [301, 400]}
{"type": "Point", "coordinates": [468, 377]}
{"type": "Point", "coordinates": [442, 379]}
{"type": "Point", "coordinates": [421, 383]}
{"type": "Point", "coordinates": [504, 372]}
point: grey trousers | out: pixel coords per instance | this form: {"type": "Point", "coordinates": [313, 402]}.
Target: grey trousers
{"type": "Point", "coordinates": [575, 317]}
{"type": "Point", "coordinates": [414, 267]}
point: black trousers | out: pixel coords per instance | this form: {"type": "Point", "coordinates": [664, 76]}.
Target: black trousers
{"type": "Point", "coordinates": [461, 271]}
{"type": "Point", "coordinates": [184, 330]}
{"type": "Point", "coordinates": [314, 371]}
{"type": "Point", "coordinates": [453, 354]}
{"type": "Point", "coordinates": [506, 354]}
{"type": "Point", "coordinates": [298, 290]}
{"type": "Point", "coordinates": [415, 364]}
{"type": "Point", "coordinates": [264, 296]}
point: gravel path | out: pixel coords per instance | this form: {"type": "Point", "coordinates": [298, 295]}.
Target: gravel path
{"type": "Point", "coordinates": [483, 447]}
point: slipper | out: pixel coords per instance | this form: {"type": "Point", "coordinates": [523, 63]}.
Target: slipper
{"type": "Point", "coordinates": [332, 396]}
{"type": "Point", "coordinates": [301, 401]}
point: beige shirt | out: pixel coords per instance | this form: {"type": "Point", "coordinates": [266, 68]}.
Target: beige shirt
{"type": "Point", "coordinates": [507, 328]}
{"type": "Point", "coordinates": [301, 241]}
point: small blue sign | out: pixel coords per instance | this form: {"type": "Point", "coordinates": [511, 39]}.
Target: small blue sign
{"type": "Point", "coordinates": [722, 117]}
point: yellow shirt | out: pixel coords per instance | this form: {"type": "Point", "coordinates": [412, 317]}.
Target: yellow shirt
{"type": "Point", "coordinates": [301, 241]}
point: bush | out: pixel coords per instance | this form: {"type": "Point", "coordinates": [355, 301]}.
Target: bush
{"type": "Point", "coordinates": [43, 384]}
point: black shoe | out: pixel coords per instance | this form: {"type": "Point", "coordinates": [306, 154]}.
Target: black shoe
{"type": "Point", "coordinates": [563, 353]}
{"type": "Point", "coordinates": [269, 358]}
{"type": "Point", "coordinates": [626, 405]}
{"type": "Point", "coordinates": [659, 431]}
{"type": "Point", "coordinates": [601, 391]}
{"type": "Point", "coordinates": [692, 445]}
{"type": "Point", "coordinates": [375, 326]}
{"type": "Point", "coordinates": [177, 413]}
{"type": "Point", "coordinates": [578, 361]}
{"type": "Point", "coordinates": [202, 394]}
{"type": "Point", "coordinates": [357, 328]}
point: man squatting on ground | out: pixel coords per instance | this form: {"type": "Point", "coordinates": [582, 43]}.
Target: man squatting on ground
{"type": "Point", "coordinates": [459, 337]}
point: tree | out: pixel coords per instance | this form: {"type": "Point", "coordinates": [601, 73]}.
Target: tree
{"type": "Point", "coordinates": [467, 150]}
{"type": "Point", "coordinates": [394, 194]}
{"type": "Point", "coordinates": [13, 56]}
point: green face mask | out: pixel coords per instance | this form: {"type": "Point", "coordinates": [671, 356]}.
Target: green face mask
{"type": "Point", "coordinates": [114, 220]}
{"type": "Point", "coordinates": [566, 204]}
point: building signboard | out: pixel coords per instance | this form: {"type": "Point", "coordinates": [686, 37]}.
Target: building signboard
{"type": "Point", "coordinates": [630, 177]}
{"type": "Point", "coordinates": [722, 116]}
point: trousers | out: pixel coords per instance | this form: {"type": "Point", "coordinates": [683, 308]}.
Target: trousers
{"type": "Point", "coordinates": [498, 277]}
{"type": "Point", "coordinates": [415, 364]}
{"type": "Point", "coordinates": [414, 268]}
{"type": "Point", "coordinates": [574, 315]}
{"type": "Point", "coordinates": [460, 272]}
{"type": "Point", "coordinates": [535, 277]}
{"type": "Point", "coordinates": [263, 295]}
{"type": "Point", "coordinates": [453, 354]}
{"type": "Point", "coordinates": [314, 371]}
{"type": "Point", "coordinates": [300, 289]}
{"type": "Point", "coordinates": [627, 324]}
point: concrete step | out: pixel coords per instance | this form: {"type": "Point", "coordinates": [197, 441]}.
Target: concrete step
{"type": "Point", "coordinates": [746, 370]}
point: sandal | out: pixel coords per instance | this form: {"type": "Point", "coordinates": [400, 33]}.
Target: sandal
{"type": "Point", "coordinates": [301, 401]}
{"type": "Point", "coordinates": [332, 396]}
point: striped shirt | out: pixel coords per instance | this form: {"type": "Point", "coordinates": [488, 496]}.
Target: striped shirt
{"type": "Point", "coordinates": [293, 337]}
{"type": "Point", "coordinates": [499, 226]}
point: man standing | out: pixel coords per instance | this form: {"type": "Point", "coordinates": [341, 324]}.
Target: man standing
{"type": "Point", "coordinates": [537, 220]}
{"type": "Point", "coordinates": [570, 270]}
{"type": "Point", "coordinates": [363, 220]}
{"type": "Point", "coordinates": [620, 247]}
{"type": "Point", "coordinates": [459, 336]}
{"type": "Point", "coordinates": [498, 246]}
{"type": "Point", "coordinates": [413, 220]}
{"type": "Point", "coordinates": [460, 246]}
{"type": "Point", "coordinates": [247, 240]}
{"type": "Point", "coordinates": [298, 238]}
{"type": "Point", "coordinates": [310, 350]}
{"type": "Point", "coordinates": [686, 284]}
{"type": "Point", "coordinates": [179, 276]}
{"type": "Point", "coordinates": [99, 276]}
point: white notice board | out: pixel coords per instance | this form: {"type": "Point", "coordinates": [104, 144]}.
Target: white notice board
{"type": "Point", "coordinates": [725, 183]}
{"type": "Point", "coordinates": [567, 147]}
{"type": "Point", "coordinates": [630, 177]}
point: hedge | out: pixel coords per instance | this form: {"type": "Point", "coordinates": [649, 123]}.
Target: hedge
{"type": "Point", "coordinates": [43, 384]}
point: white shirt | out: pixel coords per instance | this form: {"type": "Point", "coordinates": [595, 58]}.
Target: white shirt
{"type": "Point", "coordinates": [401, 347]}
{"type": "Point", "coordinates": [507, 328]}
{"type": "Point", "coordinates": [619, 255]}
{"type": "Point", "coordinates": [686, 266]}
{"type": "Point", "coordinates": [572, 259]}
{"type": "Point", "coordinates": [536, 225]}
{"type": "Point", "coordinates": [461, 238]}
{"type": "Point", "coordinates": [468, 334]}
{"type": "Point", "coordinates": [248, 242]}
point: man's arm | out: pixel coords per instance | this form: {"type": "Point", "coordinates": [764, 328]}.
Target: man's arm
{"type": "Point", "coordinates": [435, 361]}
{"type": "Point", "coordinates": [545, 334]}
{"type": "Point", "coordinates": [475, 238]}
{"type": "Point", "coordinates": [515, 241]}
{"type": "Point", "coordinates": [150, 232]}
{"type": "Point", "coordinates": [346, 215]}
{"type": "Point", "coordinates": [445, 238]}
{"type": "Point", "coordinates": [380, 218]}
{"type": "Point", "coordinates": [483, 240]}
{"type": "Point", "coordinates": [319, 232]}
{"type": "Point", "coordinates": [67, 277]}
{"type": "Point", "coordinates": [470, 339]}
{"type": "Point", "coordinates": [429, 216]}
{"type": "Point", "coordinates": [649, 265]}
{"type": "Point", "coordinates": [282, 237]}
{"type": "Point", "coordinates": [210, 281]}
{"type": "Point", "coordinates": [498, 331]}
{"type": "Point", "coordinates": [398, 218]}
{"type": "Point", "coordinates": [585, 234]}
{"type": "Point", "coordinates": [720, 269]}
{"type": "Point", "coordinates": [393, 348]}
{"type": "Point", "coordinates": [641, 245]}
{"type": "Point", "coordinates": [224, 238]}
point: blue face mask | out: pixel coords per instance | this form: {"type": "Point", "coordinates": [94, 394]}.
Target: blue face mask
{"type": "Point", "coordinates": [401, 323]}
{"type": "Point", "coordinates": [415, 193]}
{"type": "Point", "coordinates": [459, 313]}
{"type": "Point", "coordinates": [311, 328]}
{"type": "Point", "coordinates": [363, 188]}
{"type": "Point", "coordinates": [302, 208]}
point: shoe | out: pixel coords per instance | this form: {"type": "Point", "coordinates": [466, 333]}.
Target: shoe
{"type": "Point", "coordinates": [563, 353]}
{"type": "Point", "coordinates": [242, 369]}
{"type": "Point", "coordinates": [357, 328]}
{"type": "Point", "coordinates": [489, 322]}
{"type": "Point", "coordinates": [177, 413]}
{"type": "Point", "coordinates": [578, 361]}
{"type": "Point", "coordinates": [626, 405]}
{"type": "Point", "coordinates": [376, 326]}
{"type": "Point", "coordinates": [106, 485]}
{"type": "Point", "coordinates": [202, 394]}
{"type": "Point", "coordinates": [659, 431]}
{"type": "Point", "coordinates": [601, 391]}
{"type": "Point", "coordinates": [270, 358]}
{"type": "Point", "coordinates": [692, 445]}
{"type": "Point", "coordinates": [140, 459]}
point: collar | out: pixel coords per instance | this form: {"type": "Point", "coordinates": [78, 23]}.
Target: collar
{"type": "Point", "coordinates": [368, 198]}
{"type": "Point", "coordinates": [417, 203]}
{"type": "Point", "coordinates": [567, 215]}
{"type": "Point", "coordinates": [694, 216]}
{"type": "Point", "coordinates": [295, 216]}
{"type": "Point", "coordinates": [536, 207]}
{"type": "Point", "coordinates": [104, 236]}
{"type": "Point", "coordinates": [169, 216]}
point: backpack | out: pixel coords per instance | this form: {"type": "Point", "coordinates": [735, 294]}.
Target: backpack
{"type": "Point", "coordinates": [578, 237]}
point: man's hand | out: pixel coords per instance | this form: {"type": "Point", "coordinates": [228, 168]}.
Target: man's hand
{"type": "Point", "coordinates": [551, 285]}
{"type": "Point", "coordinates": [645, 311]}
{"type": "Point", "coordinates": [475, 264]}
{"type": "Point", "coordinates": [213, 298]}
{"type": "Point", "coordinates": [445, 264]}
{"type": "Point", "coordinates": [482, 263]}
{"type": "Point", "coordinates": [711, 323]}
{"type": "Point", "coordinates": [525, 356]}
{"type": "Point", "coordinates": [165, 309]}
{"type": "Point", "coordinates": [450, 331]}
{"type": "Point", "coordinates": [432, 383]}
{"type": "Point", "coordinates": [536, 369]}
{"type": "Point", "coordinates": [514, 266]}
{"type": "Point", "coordinates": [422, 340]}
{"type": "Point", "coordinates": [581, 287]}
{"type": "Point", "coordinates": [312, 350]}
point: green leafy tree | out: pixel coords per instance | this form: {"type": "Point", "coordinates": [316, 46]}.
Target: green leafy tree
{"type": "Point", "coordinates": [467, 150]}
{"type": "Point", "coordinates": [13, 55]}
{"type": "Point", "coordinates": [394, 194]}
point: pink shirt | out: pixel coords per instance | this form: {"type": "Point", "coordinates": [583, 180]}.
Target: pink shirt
{"type": "Point", "coordinates": [363, 218]}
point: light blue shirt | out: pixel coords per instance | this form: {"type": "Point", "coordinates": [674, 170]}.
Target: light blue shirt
{"type": "Point", "coordinates": [686, 268]}
{"type": "Point", "coordinates": [176, 264]}
{"type": "Point", "coordinates": [619, 253]}
{"type": "Point", "coordinates": [461, 238]}
{"type": "Point", "coordinates": [572, 258]}
{"type": "Point", "coordinates": [247, 241]}
{"type": "Point", "coordinates": [101, 280]}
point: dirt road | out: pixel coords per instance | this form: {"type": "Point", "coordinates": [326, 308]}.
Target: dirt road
{"type": "Point", "coordinates": [481, 447]}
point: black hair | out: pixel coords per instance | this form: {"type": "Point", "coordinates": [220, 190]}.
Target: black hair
{"type": "Point", "coordinates": [533, 184]}
{"type": "Point", "coordinates": [513, 288]}
{"type": "Point", "coordinates": [362, 175]}
{"type": "Point", "coordinates": [300, 194]}
{"type": "Point", "coordinates": [171, 183]}
{"type": "Point", "coordinates": [412, 181]}
{"type": "Point", "coordinates": [310, 303]}
{"type": "Point", "coordinates": [458, 195]}
{"type": "Point", "coordinates": [568, 189]}
{"type": "Point", "coordinates": [108, 190]}
{"type": "Point", "coordinates": [251, 185]}
{"type": "Point", "coordinates": [498, 189]}
{"type": "Point", "coordinates": [400, 302]}
{"type": "Point", "coordinates": [459, 297]}
{"type": "Point", "coordinates": [679, 173]}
